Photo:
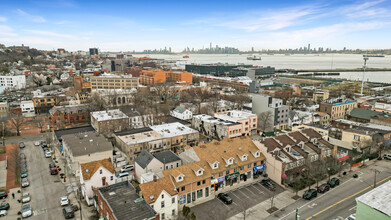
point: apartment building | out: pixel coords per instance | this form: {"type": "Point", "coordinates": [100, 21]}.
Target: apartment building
{"type": "Point", "coordinates": [216, 167]}
{"type": "Point", "coordinates": [279, 113]}
{"type": "Point", "coordinates": [44, 102]}
{"type": "Point", "coordinates": [288, 154]}
{"type": "Point", "coordinates": [116, 120]}
{"type": "Point", "coordinates": [27, 108]}
{"type": "Point", "coordinates": [84, 148]}
{"type": "Point", "coordinates": [181, 113]}
{"type": "Point", "coordinates": [171, 136]}
{"type": "Point", "coordinates": [337, 108]}
{"type": "Point", "coordinates": [12, 82]}
{"type": "Point", "coordinates": [320, 96]}
{"type": "Point", "coordinates": [111, 81]}
{"type": "Point", "coordinates": [248, 121]}
{"type": "Point", "coordinates": [81, 84]}
{"type": "Point", "coordinates": [4, 108]}
{"type": "Point", "coordinates": [158, 76]}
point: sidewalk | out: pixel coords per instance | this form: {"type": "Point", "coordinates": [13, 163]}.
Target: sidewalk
{"type": "Point", "coordinates": [284, 199]}
{"type": "Point", "coordinates": [71, 183]}
{"type": "Point", "coordinates": [15, 206]}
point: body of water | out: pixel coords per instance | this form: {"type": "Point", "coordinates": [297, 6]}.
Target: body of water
{"type": "Point", "coordinates": [296, 61]}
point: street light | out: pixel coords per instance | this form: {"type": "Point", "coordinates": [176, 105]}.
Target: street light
{"type": "Point", "coordinates": [363, 73]}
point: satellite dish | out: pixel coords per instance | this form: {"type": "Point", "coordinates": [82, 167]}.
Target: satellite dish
{"type": "Point", "coordinates": [86, 170]}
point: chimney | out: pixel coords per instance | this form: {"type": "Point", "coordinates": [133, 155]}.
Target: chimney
{"type": "Point", "coordinates": [154, 178]}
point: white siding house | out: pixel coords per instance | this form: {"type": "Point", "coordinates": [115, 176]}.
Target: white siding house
{"type": "Point", "coordinates": [95, 175]}
{"type": "Point", "coordinates": [27, 108]}
{"type": "Point", "coordinates": [162, 196]}
{"type": "Point", "coordinates": [182, 113]}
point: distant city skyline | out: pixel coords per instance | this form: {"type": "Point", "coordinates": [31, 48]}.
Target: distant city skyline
{"type": "Point", "coordinates": [136, 26]}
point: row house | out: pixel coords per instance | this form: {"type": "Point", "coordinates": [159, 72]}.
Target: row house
{"type": "Point", "coordinates": [215, 167]}
{"type": "Point", "coordinates": [171, 136]}
{"type": "Point", "coordinates": [288, 154]}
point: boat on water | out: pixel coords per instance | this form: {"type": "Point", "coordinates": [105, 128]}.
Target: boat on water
{"type": "Point", "coordinates": [373, 55]}
{"type": "Point", "coordinates": [186, 56]}
{"type": "Point", "coordinates": [254, 58]}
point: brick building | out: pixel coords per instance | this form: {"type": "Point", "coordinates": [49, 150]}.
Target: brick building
{"type": "Point", "coordinates": [111, 81]}
{"type": "Point", "coordinates": [158, 76]}
{"type": "Point", "coordinates": [120, 201]}
{"type": "Point", "coordinates": [69, 114]}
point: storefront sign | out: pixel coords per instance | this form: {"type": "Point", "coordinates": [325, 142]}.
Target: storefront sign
{"type": "Point", "coordinates": [218, 180]}
{"type": "Point", "coordinates": [259, 167]}
{"type": "Point", "coordinates": [232, 176]}
{"type": "Point", "coordinates": [182, 199]}
{"type": "Point", "coordinates": [343, 158]}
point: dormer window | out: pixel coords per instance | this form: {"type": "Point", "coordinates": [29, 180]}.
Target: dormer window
{"type": "Point", "coordinates": [230, 161]}
{"type": "Point", "coordinates": [180, 178]}
{"type": "Point", "coordinates": [257, 154]}
{"type": "Point", "coordinates": [215, 165]}
{"type": "Point", "coordinates": [200, 171]}
{"type": "Point", "coordinates": [288, 149]}
{"type": "Point", "coordinates": [244, 157]}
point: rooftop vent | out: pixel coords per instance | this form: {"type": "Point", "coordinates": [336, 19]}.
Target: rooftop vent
{"type": "Point", "coordinates": [152, 197]}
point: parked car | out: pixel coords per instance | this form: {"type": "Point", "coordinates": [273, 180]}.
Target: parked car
{"type": "Point", "coordinates": [37, 143]}
{"type": "Point", "coordinates": [68, 212]}
{"type": "Point", "coordinates": [333, 182]}
{"type": "Point", "coordinates": [53, 171]}
{"type": "Point", "coordinates": [4, 206]}
{"type": "Point", "coordinates": [3, 194]}
{"type": "Point", "coordinates": [387, 156]}
{"type": "Point", "coordinates": [309, 194]}
{"type": "Point", "coordinates": [26, 210]}
{"type": "Point", "coordinates": [43, 144]}
{"type": "Point", "coordinates": [21, 145]}
{"type": "Point", "coordinates": [323, 188]}
{"type": "Point", "coordinates": [64, 200]}
{"type": "Point", "coordinates": [225, 198]}
{"type": "Point", "coordinates": [25, 182]}
{"type": "Point", "coordinates": [3, 213]}
{"type": "Point", "coordinates": [51, 165]}
{"type": "Point", "coordinates": [23, 172]}
{"type": "Point", "coordinates": [26, 197]}
{"type": "Point", "coordinates": [127, 168]}
{"type": "Point", "coordinates": [351, 217]}
{"type": "Point", "coordinates": [123, 174]}
{"type": "Point", "coordinates": [48, 154]}
{"type": "Point", "coordinates": [268, 184]}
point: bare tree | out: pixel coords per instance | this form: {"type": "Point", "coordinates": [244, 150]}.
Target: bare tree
{"type": "Point", "coordinates": [17, 121]}
{"type": "Point", "coordinates": [97, 103]}
{"type": "Point", "coordinates": [38, 80]}
{"type": "Point", "coordinates": [265, 120]}
{"type": "Point", "coordinates": [40, 123]}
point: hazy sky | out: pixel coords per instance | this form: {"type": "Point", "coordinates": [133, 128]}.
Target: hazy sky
{"type": "Point", "coordinates": [138, 25]}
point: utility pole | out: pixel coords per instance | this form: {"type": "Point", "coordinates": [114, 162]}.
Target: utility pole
{"type": "Point", "coordinates": [363, 73]}
{"type": "Point", "coordinates": [3, 134]}
{"type": "Point", "coordinates": [374, 180]}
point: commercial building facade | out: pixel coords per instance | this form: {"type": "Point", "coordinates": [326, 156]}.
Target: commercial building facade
{"type": "Point", "coordinates": [279, 113]}
{"type": "Point", "coordinates": [158, 76]}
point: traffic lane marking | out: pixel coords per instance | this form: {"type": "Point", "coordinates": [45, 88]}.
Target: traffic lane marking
{"type": "Point", "coordinates": [306, 204]}
{"type": "Point", "coordinates": [347, 198]}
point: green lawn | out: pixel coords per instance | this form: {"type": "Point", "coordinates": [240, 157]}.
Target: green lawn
{"type": "Point", "coordinates": [2, 150]}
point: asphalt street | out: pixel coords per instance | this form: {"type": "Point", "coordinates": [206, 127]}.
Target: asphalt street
{"type": "Point", "coordinates": [45, 189]}
{"type": "Point", "coordinates": [339, 202]}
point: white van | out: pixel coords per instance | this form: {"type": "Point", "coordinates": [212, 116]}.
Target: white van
{"type": "Point", "coordinates": [387, 156]}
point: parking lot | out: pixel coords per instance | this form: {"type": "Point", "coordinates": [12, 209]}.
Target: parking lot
{"type": "Point", "coordinates": [243, 198]}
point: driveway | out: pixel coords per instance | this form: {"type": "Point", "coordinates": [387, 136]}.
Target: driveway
{"type": "Point", "coordinates": [243, 198]}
